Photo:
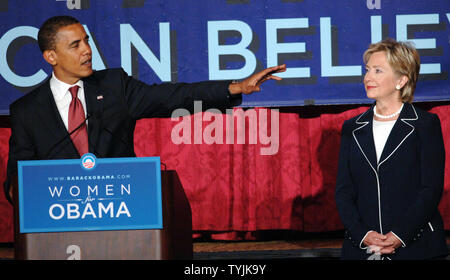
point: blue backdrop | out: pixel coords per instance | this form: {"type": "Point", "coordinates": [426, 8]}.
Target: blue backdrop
{"type": "Point", "coordinates": [321, 42]}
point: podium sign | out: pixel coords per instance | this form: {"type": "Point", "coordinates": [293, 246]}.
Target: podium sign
{"type": "Point", "coordinates": [89, 194]}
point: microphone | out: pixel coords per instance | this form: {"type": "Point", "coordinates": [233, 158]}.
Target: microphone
{"type": "Point", "coordinates": [6, 184]}
{"type": "Point", "coordinates": [165, 166]}
{"type": "Point", "coordinates": [83, 123]}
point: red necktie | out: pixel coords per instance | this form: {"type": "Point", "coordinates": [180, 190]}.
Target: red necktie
{"type": "Point", "coordinates": [76, 117]}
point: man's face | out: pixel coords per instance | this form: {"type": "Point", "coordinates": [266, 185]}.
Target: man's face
{"type": "Point", "coordinates": [72, 57]}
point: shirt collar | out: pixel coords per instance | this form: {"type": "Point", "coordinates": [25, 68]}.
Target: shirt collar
{"type": "Point", "coordinates": [59, 88]}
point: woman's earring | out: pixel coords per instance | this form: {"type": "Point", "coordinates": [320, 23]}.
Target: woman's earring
{"type": "Point", "coordinates": [397, 87]}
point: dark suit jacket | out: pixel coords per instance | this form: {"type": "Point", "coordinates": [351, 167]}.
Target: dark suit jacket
{"type": "Point", "coordinates": [114, 103]}
{"type": "Point", "coordinates": [401, 192]}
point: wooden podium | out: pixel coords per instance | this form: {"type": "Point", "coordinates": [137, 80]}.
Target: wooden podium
{"type": "Point", "coordinates": [174, 241]}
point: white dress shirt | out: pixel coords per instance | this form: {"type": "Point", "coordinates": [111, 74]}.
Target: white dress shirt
{"type": "Point", "coordinates": [381, 131]}
{"type": "Point", "coordinates": [63, 97]}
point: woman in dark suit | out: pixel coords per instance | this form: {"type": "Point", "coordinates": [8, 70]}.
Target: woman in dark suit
{"type": "Point", "coordinates": [391, 165]}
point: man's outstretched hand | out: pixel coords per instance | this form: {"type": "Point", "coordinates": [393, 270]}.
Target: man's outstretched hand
{"type": "Point", "coordinates": [253, 83]}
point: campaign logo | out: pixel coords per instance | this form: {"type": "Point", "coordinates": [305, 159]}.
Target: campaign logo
{"type": "Point", "coordinates": [88, 161]}
{"type": "Point", "coordinates": [68, 195]}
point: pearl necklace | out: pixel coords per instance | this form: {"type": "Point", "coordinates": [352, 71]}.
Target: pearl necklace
{"type": "Point", "coordinates": [388, 116]}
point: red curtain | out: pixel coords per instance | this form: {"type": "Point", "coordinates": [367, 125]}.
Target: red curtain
{"type": "Point", "coordinates": [233, 189]}
{"type": "Point", "coordinates": [6, 213]}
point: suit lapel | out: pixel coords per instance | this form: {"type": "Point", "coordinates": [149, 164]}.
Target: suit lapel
{"type": "Point", "coordinates": [94, 104]}
{"type": "Point", "coordinates": [403, 127]}
{"type": "Point", "coordinates": [50, 117]}
{"type": "Point", "coordinates": [48, 111]}
{"type": "Point", "coordinates": [363, 136]}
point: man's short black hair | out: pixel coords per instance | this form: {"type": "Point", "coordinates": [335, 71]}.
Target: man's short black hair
{"type": "Point", "coordinates": [49, 29]}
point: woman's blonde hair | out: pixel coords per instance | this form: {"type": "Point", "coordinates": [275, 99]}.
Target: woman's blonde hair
{"type": "Point", "coordinates": [404, 60]}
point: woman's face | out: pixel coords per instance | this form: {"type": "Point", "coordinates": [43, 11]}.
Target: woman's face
{"type": "Point", "coordinates": [380, 79]}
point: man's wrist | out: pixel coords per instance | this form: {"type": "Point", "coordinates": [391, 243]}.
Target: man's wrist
{"type": "Point", "coordinates": [234, 87]}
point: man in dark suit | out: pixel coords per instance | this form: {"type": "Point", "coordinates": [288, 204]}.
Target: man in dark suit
{"type": "Point", "coordinates": [99, 109]}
